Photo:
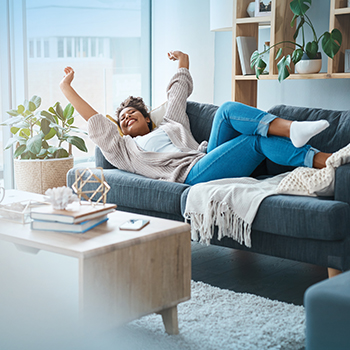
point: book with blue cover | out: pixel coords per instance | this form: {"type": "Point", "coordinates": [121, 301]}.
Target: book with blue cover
{"type": "Point", "coordinates": [80, 227]}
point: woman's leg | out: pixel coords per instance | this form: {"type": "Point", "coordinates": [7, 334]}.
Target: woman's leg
{"type": "Point", "coordinates": [240, 156]}
{"type": "Point", "coordinates": [233, 119]}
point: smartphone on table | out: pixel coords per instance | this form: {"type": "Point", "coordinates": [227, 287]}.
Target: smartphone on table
{"type": "Point", "coordinates": [134, 224]}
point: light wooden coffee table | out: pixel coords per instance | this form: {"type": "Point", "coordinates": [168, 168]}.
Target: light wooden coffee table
{"type": "Point", "coordinates": [123, 275]}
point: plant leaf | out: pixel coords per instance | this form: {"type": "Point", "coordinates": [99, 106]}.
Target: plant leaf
{"type": "Point", "coordinates": [24, 133]}
{"type": "Point", "coordinates": [76, 129]}
{"type": "Point", "coordinates": [260, 67]}
{"type": "Point", "coordinates": [53, 111]}
{"type": "Point", "coordinates": [45, 126]}
{"type": "Point", "coordinates": [299, 7]}
{"type": "Point", "coordinates": [279, 53]}
{"type": "Point", "coordinates": [19, 150]}
{"type": "Point", "coordinates": [31, 106]}
{"type": "Point", "coordinates": [61, 153]}
{"type": "Point", "coordinates": [301, 23]}
{"type": "Point", "coordinates": [11, 121]}
{"type": "Point", "coordinates": [45, 145]}
{"type": "Point", "coordinates": [50, 135]}
{"type": "Point", "coordinates": [51, 117]}
{"type": "Point", "coordinates": [34, 144]}
{"type": "Point", "coordinates": [68, 111]}
{"type": "Point", "coordinates": [10, 142]}
{"type": "Point", "coordinates": [77, 142]}
{"type": "Point", "coordinates": [297, 55]}
{"type": "Point", "coordinates": [331, 42]}
{"type": "Point", "coordinates": [20, 109]}
{"type": "Point", "coordinates": [311, 49]}
{"type": "Point", "coordinates": [14, 130]}
{"type": "Point", "coordinates": [254, 58]}
{"type": "Point", "coordinates": [59, 111]}
{"type": "Point", "coordinates": [13, 112]}
{"type": "Point", "coordinates": [283, 66]}
{"type": "Point", "coordinates": [36, 100]}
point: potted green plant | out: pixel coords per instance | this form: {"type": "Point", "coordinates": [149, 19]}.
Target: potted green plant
{"type": "Point", "coordinates": [38, 164]}
{"type": "Point", "coordinates": [331, 42]}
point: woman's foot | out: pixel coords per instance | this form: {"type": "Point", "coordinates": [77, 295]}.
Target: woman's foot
{"type": "Point", "coordinates": [301, 132]}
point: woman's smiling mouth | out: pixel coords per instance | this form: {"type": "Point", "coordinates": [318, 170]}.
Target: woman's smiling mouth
{"type": "Point", "coordinates": [131, 121]}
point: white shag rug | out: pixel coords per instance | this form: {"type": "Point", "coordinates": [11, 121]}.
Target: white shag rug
{"type": "Point", "coordinates": [217, 319]}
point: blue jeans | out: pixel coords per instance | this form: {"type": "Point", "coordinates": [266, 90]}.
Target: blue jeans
{"type": "Point", "coordinates": [238, 143]}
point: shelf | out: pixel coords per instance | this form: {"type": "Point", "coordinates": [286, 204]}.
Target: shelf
{"type": "Point", "coordinates": [342, 11]}
{"type": "Point", "coordinates": [245, 88]}
{"type": "Point", "coordinates": [249, 20]}
{"type": "Point", "coordinates": [295, 76]}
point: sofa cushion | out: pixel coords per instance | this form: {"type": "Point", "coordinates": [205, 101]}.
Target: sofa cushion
{"type": "Point", "coordinates": [201, 117]}
{"type": "Point", "coordinates": [300, 217]}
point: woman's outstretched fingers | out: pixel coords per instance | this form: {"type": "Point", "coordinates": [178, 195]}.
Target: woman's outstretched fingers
{"type": "Point", "coordinates": [171, 56]}
{"type": "Point", "coordinates": [69, 76]}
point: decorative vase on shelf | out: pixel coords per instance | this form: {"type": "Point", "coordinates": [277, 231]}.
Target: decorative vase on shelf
{"type": "Point", "coordinates": [251, 9]}
{"type": "Point", "coordinates": [309, 65]}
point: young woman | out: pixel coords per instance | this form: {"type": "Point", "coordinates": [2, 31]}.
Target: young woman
{"type": "Point", "coordinates": [241, 136]}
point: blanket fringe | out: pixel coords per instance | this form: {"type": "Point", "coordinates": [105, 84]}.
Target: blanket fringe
{"type": "Point", "coordinates": [228, 222]}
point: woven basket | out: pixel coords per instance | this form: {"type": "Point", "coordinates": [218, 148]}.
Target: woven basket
{"type": "Point", "coordinates": [37, 176]}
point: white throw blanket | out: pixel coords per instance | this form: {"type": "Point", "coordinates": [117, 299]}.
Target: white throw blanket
{"type": "Point", "coordinates": [231, 204]}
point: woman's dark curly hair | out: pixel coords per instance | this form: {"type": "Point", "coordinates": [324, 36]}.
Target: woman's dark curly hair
{"type": "Point", "coordinates": [137, 103]}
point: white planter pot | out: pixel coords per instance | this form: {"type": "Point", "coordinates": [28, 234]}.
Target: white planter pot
{"type": "Point", "coordinates": [309, 66]}
{"type": "Point", "coordinates": [36, 175]}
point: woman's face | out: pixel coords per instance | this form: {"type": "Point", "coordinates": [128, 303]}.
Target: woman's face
{"type": "Point", "coordinates": [133, 123]}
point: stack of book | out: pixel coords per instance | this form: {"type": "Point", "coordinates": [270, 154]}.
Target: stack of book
{"type": "Point", "coordinates": [77, 218]}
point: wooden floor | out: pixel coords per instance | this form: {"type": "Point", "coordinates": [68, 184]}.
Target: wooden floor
{"type": "Point", "coordinates": [266, 276]}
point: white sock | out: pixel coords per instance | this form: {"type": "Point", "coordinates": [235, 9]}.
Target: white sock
{"type": "Point", "coordinates": [301, 132]}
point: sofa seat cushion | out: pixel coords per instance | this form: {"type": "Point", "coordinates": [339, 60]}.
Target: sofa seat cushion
{"type": "Point", "coordinates": [300, 217]}
{"type": "Point", "coordinates": [138, 192]}
{"type": "Point", "coordinates": [303, 217]}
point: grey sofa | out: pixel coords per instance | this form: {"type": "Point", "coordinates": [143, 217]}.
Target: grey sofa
{"type": "Point", "coordinates": [307, 229]}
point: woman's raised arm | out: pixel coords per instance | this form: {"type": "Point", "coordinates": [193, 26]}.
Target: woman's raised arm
{"type": "Point", "coordinates": [80, 105]}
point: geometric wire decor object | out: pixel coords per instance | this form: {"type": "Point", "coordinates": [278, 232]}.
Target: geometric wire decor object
{"type": "Point", "coordinates": [86, 176]}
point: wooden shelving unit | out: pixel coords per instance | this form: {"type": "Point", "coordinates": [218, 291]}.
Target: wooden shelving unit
{"type": "Point", "coordinates": [244, 87]}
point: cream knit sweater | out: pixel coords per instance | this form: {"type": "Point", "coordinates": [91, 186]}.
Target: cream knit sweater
{"type": "Point", "coordinates": [123, 152]}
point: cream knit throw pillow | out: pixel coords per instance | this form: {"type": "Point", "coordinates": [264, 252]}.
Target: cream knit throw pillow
{"type": "Point", "coordinates": [315, 182]}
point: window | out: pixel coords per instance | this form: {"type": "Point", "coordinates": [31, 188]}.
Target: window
{"type": "Point", "coordinates": [101, 40]}
{"type": "Point", "coordinates": [106, 42]}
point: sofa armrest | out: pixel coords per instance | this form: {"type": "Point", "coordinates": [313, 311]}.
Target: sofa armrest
{"type": "Point", "coordinates": [342, 184]}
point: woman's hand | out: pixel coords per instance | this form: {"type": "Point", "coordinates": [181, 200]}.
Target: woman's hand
{"type": "Point", "coordinates": [68, 78]}
{"type": "Point", "coordinates": [80, 105]}
{"type": "Point", "coordinates": [181, 57]}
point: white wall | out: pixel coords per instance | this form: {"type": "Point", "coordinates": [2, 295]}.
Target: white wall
{"type": "Point", "coordinates": [182, 25]}
{"type": "Point", "coordinates": [327, 93]}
